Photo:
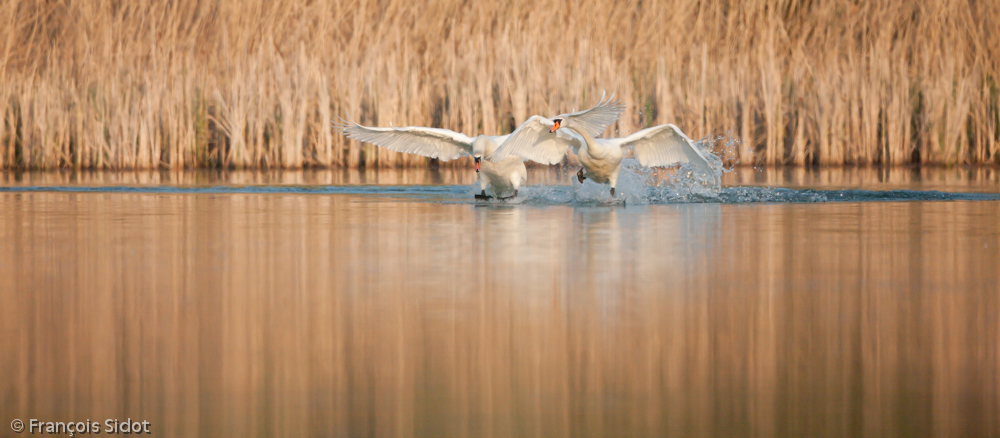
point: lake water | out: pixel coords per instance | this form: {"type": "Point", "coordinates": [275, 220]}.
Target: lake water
{"type": "Point", "coordinates": [796, 302]}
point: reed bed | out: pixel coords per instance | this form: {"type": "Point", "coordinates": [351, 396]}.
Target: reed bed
{"type": "Point", "coordinates": [255, 83]}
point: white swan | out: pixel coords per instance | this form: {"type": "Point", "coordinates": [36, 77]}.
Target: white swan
{"type": "Point", "coordinates": [505, 175]}
{"type": "Point", "coordinates": [540, 139]}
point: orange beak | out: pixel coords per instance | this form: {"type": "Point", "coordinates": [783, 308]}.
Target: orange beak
{"type": "Point", "coordinates": [554, 127]}
{"type": "Point", "coordinates": [477, 159]}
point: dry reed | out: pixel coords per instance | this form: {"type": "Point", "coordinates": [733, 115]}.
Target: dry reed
{"type": "Point", "coordinates": [248, 84]}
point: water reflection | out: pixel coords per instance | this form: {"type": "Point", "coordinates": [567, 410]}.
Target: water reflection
{"type": "Point", "coordinates": [308, 315]}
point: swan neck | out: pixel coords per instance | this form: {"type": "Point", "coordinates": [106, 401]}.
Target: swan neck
{"type": "Point", "coordinates": [592, 147]}
{"type": "Point", "coordinates": [489, 147]}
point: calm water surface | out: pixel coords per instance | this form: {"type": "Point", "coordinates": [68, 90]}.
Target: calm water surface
{"type": "Point", "coordinates": [397, 310]}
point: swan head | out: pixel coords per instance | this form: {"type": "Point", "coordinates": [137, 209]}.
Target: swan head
{"type": "Point", "coordinates": [556, 124]}
{"type": "Point", "coordinates": [479, 149]}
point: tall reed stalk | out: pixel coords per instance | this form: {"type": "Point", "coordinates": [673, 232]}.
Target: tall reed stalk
{"type": "Point", "coordinates": [254, 83]}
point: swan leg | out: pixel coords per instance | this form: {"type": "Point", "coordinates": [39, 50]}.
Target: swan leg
{"type": "Point", "coordinates": [483, 195]}
{"type": "Point", "coordinates": [613, 180]}
{"type": "Point", "coordinates": [515, 182]}
{"type": "Point", "coordinates": [580, 177]}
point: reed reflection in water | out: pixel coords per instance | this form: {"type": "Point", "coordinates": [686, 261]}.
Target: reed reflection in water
{"type": "Point", "coordinates": [307, 315]}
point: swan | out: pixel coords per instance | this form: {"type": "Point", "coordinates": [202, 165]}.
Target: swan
{"type": "Point", "coordinates": [546, 141]}
{"type": "Point", "coordinates": [504, 175]}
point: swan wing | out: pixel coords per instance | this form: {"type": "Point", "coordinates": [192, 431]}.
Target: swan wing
{"type": "Point", "coordinates": [442, 144]}
{"type": "Point", "coordinates": [665, 145]}
{"type": "Point", "coordinates": [533, 141]}
{"type": "Point", "coordinates": [595, 120]}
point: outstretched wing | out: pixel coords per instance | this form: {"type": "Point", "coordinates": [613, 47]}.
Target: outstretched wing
{"type": "Point", "coordinates": [533, 141]}
{"type": "Point", "coordinates": [442, 144]}
{"type": "Point", "coordinates": [595, 120]}
{"type": "Point", "coordinates": [665, 145]}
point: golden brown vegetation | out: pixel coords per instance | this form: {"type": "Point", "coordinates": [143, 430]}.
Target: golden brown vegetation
{"type": "Point", "coordinates": [188, 83]}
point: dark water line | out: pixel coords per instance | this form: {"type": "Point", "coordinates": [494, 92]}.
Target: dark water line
{"type": "Point", "coordinates": [546, 194]}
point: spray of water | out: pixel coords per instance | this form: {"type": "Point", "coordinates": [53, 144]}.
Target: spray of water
{"type": "Point", "coordinates": [638, 185]}
{"type": "Point", "coordinates": [541, 194]}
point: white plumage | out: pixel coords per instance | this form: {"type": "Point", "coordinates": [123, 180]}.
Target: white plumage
{"type": "Point", "coordinates": [547, 140]}
{"type": "Point", "coordinates": [504, 174]}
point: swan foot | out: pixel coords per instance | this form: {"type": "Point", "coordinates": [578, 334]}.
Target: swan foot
{"type": "Point", "coordinates": [612, 192]}
{"type": "Point", "coordinates": [579, 176]}
{"type": "Point", "coordinates": [509, 197]}
{"type": "Point", "coordinates": [483, 196]}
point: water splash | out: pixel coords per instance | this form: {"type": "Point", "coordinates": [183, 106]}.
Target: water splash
{"type": "Point", "coordinates": [590, 194]}
{"type": "Point", "coordinates": [724, 149]}
{"type": "Point", "coordinates": [638, 184]}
